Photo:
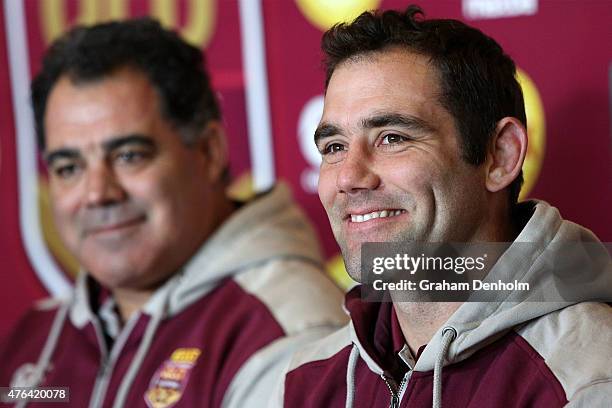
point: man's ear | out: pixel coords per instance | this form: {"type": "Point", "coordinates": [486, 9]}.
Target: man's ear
{"type": "Point", "coordinates": [506, 154]}
{"type": "Point", "coordinates": [213, 145]}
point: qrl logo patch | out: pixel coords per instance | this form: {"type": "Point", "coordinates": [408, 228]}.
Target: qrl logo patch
{"type": "Point", "coordinates": [170, 379]}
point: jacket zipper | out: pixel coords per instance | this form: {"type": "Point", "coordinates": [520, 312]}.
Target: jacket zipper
{"type": "Point", "coordinates": [396, 392]}
{"type": "Point", "coordinates": [102, 379]}
{"type": "Point", "coordinates": [107, 362]}
{"type": "Point", "coordinates": [97, 393]}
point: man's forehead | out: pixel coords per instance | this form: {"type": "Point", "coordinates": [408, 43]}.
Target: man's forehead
{"type": "Point", "coordinates": [395, 82]}
{"type": "Point", "coordinates": [391, 65]}
{"type": "Point", "coordinates": [79, 97]}
{"type": "Point", "coordinates": [87, 115]}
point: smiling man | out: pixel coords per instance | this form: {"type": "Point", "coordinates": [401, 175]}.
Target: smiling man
{"type": "Point", "coordinates": [185, 297]}
{"type": "Point", "coordinates": [423, 137]}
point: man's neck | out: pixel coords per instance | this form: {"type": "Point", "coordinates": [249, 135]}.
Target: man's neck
{"type": "Point", "coordinates": [419, 321]}
{"type": "Point", "coordinates": [129, 301]}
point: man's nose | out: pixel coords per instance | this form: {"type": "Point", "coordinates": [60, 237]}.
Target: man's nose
{"type": "Point", "coordinates": [102, 186]}
{"type": "Point", "coordinates": [356, 172]}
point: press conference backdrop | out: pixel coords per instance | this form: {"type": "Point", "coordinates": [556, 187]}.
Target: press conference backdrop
{"type": "Point", "coordinates": [266, 65]}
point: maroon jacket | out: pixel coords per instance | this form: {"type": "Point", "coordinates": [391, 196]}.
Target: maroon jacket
{"type": "Point", "coordinates": [512, 353]}
{"type": "Point", "coordinates": [218, 333]}
{"type": "Point", "coordinates": [81, 354]}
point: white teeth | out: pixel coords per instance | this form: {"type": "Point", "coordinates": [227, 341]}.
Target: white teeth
{"type": "Point", "coordinates": [375, 214]}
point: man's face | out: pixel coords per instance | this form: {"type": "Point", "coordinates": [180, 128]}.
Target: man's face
{"type": "Point", "coordinates": [130, 200]}
{"type": "Point", "coordinates": [392, 168]}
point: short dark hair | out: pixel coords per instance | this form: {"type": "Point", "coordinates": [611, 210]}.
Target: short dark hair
{"type": "Point", "coordinates": [175, 68]}
{"type": "Point", "coordinates": [478, 80]}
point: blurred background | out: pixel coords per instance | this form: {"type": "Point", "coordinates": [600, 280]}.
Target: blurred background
{"type": "Point", "coordinates": [265, 63]}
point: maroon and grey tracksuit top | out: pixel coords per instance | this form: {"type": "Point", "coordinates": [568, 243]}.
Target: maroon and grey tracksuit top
{"type": "Point", "coordinates": [218, 333]}
{"type": "Point", "coordinates": [514, 352]}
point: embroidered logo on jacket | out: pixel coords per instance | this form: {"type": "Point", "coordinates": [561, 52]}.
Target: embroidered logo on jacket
{"type": "Point", "coordinates": [170, 379]}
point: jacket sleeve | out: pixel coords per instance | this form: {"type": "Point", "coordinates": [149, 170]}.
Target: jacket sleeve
{"type": "Point", "coordinates": [597, 394]}
{"type": "Point", "coordinates": [260, 380]}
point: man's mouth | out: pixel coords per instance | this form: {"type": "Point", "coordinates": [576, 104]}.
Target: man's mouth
{"type": "Point", "coordinates": [375, 215]}
{"type": "Point", "coordinates": [101, 229]}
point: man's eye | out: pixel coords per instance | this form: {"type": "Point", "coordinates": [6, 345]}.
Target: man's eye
{"type": "Point", "coordinates": [66, 171]}
{"type": "Point", "coordinates": [129, 156]}
{"type": "Point", "coordinates": [333, 148]}
{"type": "Point", "coordinates": [392, 138]}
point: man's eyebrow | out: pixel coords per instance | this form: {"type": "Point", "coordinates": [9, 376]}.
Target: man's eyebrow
{"type": "Point", "coordinates": [325, 130]}
{"type": "Point", "coordinates": [119, 141]}
{"type": "Point", "coordinates": [63, 153]}
{"type": "Point", "coordinates": [108, 146]}
{"type": "Point", "coordinates": [375, 121]}
{"type": "Point", "coordinates": [395, 119]}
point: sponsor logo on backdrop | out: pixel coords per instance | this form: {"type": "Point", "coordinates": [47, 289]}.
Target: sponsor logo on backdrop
{"type": "Point", "coordinates": [536, 129]}
{"type": "Point", "coordinates": [197, 28]}
{"type": "Point", "coordinates": [324, 13]}
{"type": "Point", "coordinates": [484, 9]}
{"type": "Point", "coordinates": [307, 124]}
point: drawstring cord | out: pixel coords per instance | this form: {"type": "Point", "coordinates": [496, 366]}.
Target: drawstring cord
{"type": "Point", "coordinates": [448, 335]}
{"type": "Point", "coordinates": [47, 352]}
{"type": "Point", "coordinates": [350, 376]}
{"type": "Point", "coordinates": [137, 361]}
{"type": "Point", "coordinates": [145, 344]}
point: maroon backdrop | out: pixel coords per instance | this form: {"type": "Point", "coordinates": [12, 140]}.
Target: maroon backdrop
{"type": "Point", "coordinates": [564, 47]}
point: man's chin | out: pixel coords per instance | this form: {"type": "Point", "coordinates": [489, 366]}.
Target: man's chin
{"type": "Point", "coordinates": [110, 280]}
{"type": "Point", "coordinates": [113, 273]}
{"type": "Point", "coordinates": [352, 265]}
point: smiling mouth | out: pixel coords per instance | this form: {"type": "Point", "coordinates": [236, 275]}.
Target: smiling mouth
{"type": "Point", "coordinates": [375, 214]}
{"type": "Point", "coordinates": [116, 227]}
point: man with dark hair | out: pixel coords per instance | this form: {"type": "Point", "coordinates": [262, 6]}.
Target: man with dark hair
{"type": "Point", "coordinates": [185, 297]}
{"type": "Point", "coordinates": [423, 137]}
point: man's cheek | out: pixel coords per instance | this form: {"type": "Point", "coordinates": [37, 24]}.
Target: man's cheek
{"type": "Point", "coordinates": [61, 214]}
{"type": "Point", "coordinates": [326, 191]}
{"type": "Point", "coordinates": [69, 233]}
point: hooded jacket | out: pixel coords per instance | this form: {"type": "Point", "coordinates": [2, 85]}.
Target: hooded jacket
{"type": "Point", "coordinates": [514, 352]}
{"type": "Point", "coordinates": [216, 334]}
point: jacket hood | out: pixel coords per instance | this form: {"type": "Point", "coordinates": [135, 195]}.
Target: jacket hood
{"type": "Point", "coordinates": [541, 243]}
{"type": "Point", "coordinates": [550, 237]}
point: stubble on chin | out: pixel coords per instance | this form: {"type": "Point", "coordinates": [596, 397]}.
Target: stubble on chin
{"type": "Point", "coordinates": [351, 257]}
{"type": "Point", "coordinates": [352, 263]}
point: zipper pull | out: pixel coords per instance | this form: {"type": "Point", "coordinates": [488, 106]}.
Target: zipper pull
{"type": "Point", "coordinates": [394, 401]}
{"type": "Point", "coordinates": [393, 389]}
{"type": "Point", "coordinates": [104, 363]}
